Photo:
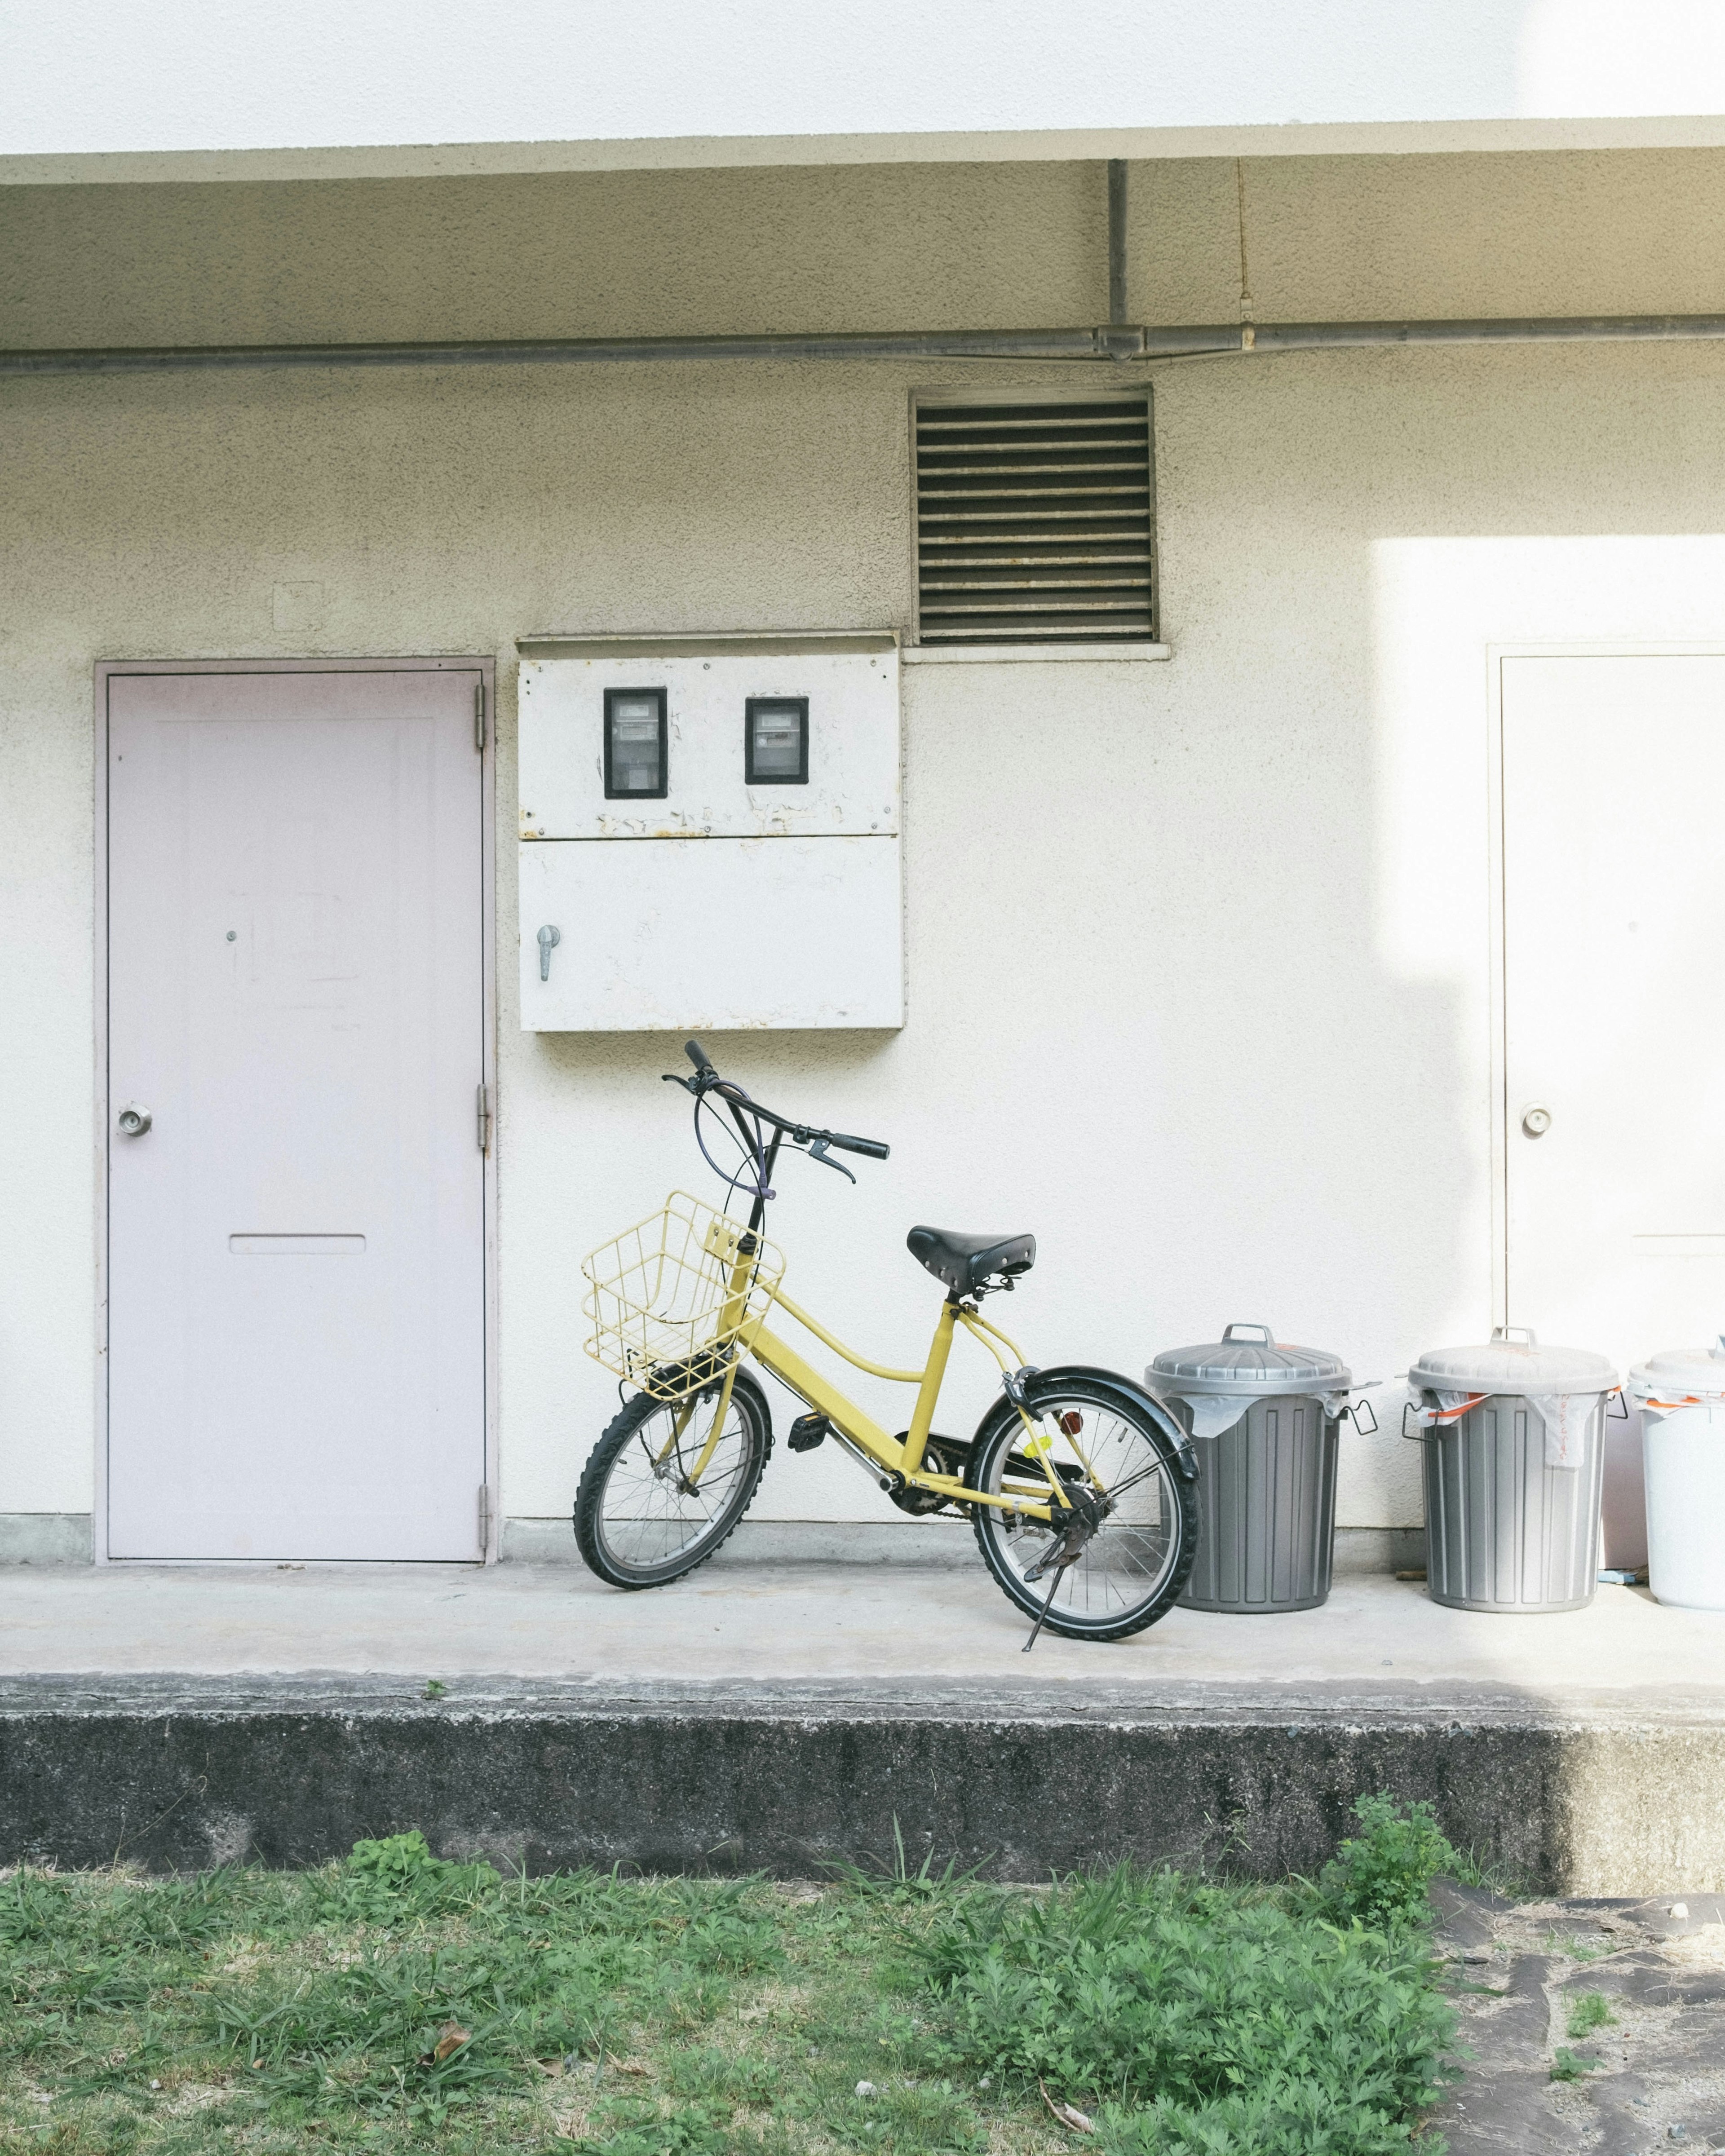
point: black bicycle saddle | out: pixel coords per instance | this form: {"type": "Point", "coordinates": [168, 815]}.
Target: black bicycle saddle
{"type": "Point", "coordinates": [962, 1264]}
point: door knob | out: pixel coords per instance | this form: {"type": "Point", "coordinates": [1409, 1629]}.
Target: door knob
{"type": "Point", "coordinates": [133, 1121]}
{"type": "Point", "coordinates": [549, 939]}
{"type": "Point", "coordinates": [1536, 1120]}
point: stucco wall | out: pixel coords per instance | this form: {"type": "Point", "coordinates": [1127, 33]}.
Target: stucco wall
{"type": "Point", "coordinates": [1197, 950]}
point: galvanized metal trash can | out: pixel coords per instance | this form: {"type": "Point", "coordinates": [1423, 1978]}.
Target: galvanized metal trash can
{"type": "Point", "coordinates": [1263, 1420]}
{"type": "Point", "coordinates": [1513, 1435]}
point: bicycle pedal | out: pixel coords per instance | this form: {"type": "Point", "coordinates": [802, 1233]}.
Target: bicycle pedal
{"type": "Point", "coordinates": [807, 1431]}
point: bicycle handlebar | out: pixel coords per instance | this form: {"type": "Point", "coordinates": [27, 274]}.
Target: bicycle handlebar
{"type": "Point", "coordinates": [799, 1133]}
{"type": "Point", "coordinates": [871, 1148]}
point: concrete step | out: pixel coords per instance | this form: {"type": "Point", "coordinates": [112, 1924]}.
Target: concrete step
{"type": "Point", "coordinates": [1019, 1774]}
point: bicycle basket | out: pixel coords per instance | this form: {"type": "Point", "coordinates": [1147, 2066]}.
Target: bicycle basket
{"type": "Point", "coordinates": [669, 1297]}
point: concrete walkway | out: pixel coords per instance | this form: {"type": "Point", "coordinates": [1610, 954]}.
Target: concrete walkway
{"type": "Point", "coordinates": [732, 1624]}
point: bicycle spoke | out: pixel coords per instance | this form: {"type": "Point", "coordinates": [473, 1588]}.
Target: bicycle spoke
{"type": "Point", "coordinates": [650, 1515]}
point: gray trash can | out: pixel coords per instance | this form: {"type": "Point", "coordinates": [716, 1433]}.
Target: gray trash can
{"type": "Point", "coordinates": [1263, 1420]}
{"type": "Point", "coordinates": [1513, 1435]}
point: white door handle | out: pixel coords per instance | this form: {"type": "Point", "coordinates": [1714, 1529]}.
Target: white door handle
{"type": "Point", "coordinates": [1536, 1120]}
{"type": "Point", "coordinates": [549, 939]}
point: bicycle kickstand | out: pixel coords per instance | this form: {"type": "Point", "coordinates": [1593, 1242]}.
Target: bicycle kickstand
{"type": "Point", "coordinates": [1054, 1585]}
{"type": "Point", "coordinates": [1083, 1517]}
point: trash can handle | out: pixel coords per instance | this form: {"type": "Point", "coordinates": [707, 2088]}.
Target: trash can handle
{"type": "Point", "coordinates": [1509, 1332]}
{"type": "Point", "coordinates": [1269, 1338]}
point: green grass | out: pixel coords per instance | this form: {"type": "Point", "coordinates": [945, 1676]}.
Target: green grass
{"type": "Point", "coordinates": [1588, 2011]}
{"type": "Point", "coordinates": [398, 2003]}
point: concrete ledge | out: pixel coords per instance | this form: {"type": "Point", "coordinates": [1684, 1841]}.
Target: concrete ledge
{"type": "Point", "coordinates": [1021, 1775]}
{"type": "Point", "coordinates": [45, 1539]}
{"type": "Point", "coordinates": [936, 1542]}
{"type": "Point", "coordinates": [65, 1538]}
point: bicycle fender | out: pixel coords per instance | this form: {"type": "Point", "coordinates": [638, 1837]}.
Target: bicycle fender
{"type": "Point", "coordinates": [746, 1379]}
{"type": "Point", "coordinates": [1129, 1394]}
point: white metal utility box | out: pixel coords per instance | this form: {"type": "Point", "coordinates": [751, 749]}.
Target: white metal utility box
{"type": "Point", "coordinates": [710, 833]}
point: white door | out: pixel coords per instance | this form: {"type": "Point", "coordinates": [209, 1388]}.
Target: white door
{"type": "Point", "coordinates": [1613, 913]}
{"type": "Point", "coordinates": [296, 998]}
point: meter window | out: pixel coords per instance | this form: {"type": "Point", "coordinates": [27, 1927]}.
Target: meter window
{"type": "Point", "coordinates": [635, 759]}
{"type": "Point", "coordinates": [776, 741]}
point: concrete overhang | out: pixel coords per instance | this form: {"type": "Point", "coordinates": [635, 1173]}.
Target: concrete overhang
{"type": "Point", "coordinates": [694, 152]}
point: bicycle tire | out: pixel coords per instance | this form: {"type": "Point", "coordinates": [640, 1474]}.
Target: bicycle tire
{"type": "Point", "coordinates": [1086, 1605]}
{"type": "Point", "coordinates": [602, 1547]}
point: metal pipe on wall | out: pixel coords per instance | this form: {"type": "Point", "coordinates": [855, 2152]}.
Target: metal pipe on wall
{"type": "Point", "coordinates": [1112, 344]}
{"type": "Point", "coordinates": [1117, 241]}
{"type": "Point", "coordinates": [1085, 344]}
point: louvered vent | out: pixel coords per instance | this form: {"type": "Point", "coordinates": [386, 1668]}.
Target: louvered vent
{"type": "Point", "coordinates": [1033, 523]}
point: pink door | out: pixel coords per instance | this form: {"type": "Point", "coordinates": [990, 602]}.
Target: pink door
{"type": "Point", "coordinates": [295, 1185]}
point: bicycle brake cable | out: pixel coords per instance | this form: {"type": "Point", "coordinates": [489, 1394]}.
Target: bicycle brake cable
{"type": "Point", "coordinates": [754, 1153]}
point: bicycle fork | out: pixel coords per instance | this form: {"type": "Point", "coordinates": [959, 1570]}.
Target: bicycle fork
{"type": "Point", "coordinates": [689, 1482]}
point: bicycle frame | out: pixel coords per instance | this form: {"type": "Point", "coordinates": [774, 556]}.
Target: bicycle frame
{"type": "Point", "coordinates": [902, 1457]}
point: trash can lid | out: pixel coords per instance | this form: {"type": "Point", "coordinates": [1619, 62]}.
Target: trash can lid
{"type": "Point", "coordinates": [1505, 1366]}
{"type": "Point", "coordinates": [1697, 1370]}
{"type": "Point", "coordinates": [1259, 1363]}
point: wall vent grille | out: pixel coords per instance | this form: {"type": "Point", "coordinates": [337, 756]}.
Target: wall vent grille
{"type": "Point", "coordinates": [1034, 523]}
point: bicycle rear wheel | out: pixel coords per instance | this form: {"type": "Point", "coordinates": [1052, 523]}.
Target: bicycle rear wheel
{"type": "Point", "coordinates": [1131, 1570]}
{"type": "Point", "coordinates": [637, 1521]}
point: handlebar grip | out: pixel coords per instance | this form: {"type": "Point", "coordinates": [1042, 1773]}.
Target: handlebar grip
{"type": "Point", "coordinates": [698, 1056]}
{"type": "Point", "coordinates": [871, 1148]}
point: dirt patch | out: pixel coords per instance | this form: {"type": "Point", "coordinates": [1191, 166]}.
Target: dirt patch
{"type": "Point", "coordinates": [1592, 2026]}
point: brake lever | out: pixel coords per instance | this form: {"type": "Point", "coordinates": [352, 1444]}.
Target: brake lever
{"type": "Point", "coordinates": [817, 1151]}
{"type": "Point", "coordinates": [688, 1085]}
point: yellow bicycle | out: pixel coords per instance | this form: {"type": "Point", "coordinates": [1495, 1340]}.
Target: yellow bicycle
{"type": "Point", "coordinates": [1081, 1487]}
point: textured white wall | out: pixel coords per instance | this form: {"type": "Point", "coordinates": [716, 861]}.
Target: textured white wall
{"type": "Point", "coordinates": [1197, 951]}
{"type": "Point", "coordinates": [93, 77]}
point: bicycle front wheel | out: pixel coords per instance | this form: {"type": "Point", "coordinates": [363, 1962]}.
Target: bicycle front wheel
{"type": "Point", "coordinates": [1131, 1570]}
{"type": "Point", "coordinates": [639, 1521]}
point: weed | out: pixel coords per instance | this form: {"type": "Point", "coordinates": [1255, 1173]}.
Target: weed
{"type": "Point", "coordinates": [1380, 1876]}
{"type": "Point", "coordinates": [1570, 2066]}
{"type": "Point", "coordinates": [398, 1878]}
{"type": "Point", "coordinates": [896, 1880]}
{"type": "Point", "coordinates": [1588, 2011]}
{"type": "Point", "coordinates": [1195, 2015]}
{"type": "Point", "coordinates": [1581, 1950]}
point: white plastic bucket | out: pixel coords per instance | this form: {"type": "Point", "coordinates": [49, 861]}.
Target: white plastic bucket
{"type": "Point", "coordinates": [1681, 1397]}
{"type": "Point", "coordinates": [1684, 1460]}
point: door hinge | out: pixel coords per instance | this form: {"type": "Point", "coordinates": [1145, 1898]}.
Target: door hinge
{"type": "Point", "coordinates": [479, 714]}
{"type": "Point", "coordinates": [484, 1106]}
{"type": "Point", "coordinates": [484, 1519]}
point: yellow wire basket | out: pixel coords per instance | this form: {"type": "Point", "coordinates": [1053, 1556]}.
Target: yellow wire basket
{"type": "Point", "coordinates": [668, 1300]}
